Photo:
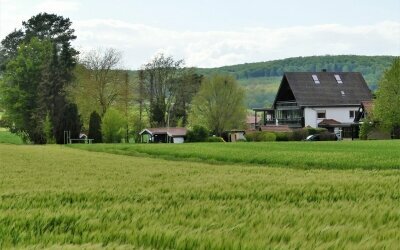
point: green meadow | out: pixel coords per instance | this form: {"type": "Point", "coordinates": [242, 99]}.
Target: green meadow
{"type": "Point", "coordinates": [61, 197]}
{"type": "Point", "coordinates": [8, 137]}
{"type": "Point", "coordinates": [307, 155]}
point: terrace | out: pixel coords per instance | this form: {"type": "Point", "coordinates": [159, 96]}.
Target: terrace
{"type": "Point", "coordinates": [285, 113]}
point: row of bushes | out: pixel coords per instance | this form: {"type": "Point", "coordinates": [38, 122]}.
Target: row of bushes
{"type": "Point", "coordinates": [201, 134]}
{"type": "Point", "coordinates": [295, 135]}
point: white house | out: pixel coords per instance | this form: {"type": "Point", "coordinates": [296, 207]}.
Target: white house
{"type": "Point", "coordinates": [318, 99]}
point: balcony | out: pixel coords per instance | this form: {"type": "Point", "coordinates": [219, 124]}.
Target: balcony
{"type": "Point", "coordinates": [286, 105]}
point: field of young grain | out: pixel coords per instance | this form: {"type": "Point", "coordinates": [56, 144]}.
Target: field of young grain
{"type": "Point", "coordinates": [53, 196]}
{"type": "Point", "coordinates": [326, 155]}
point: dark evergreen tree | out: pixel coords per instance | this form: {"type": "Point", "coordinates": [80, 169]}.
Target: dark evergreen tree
{"type": "Point", "coordinates": [95, 127]}
{"type": "Point", "coordinates": [9, 47]}
{"type": "Point", "coordinates": [69, 120]}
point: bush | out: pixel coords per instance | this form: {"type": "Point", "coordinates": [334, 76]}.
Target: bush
{"type": "Point", "coordinates": [260, 136]}
{"type": "Point", "coordinates": [113, 126]}
{"type": "Point", "coordinates": [365, 129]}
{"type": "Point", "coordinates": [300, 134]}
{"type": "Point", "coordinates": [282, 136]}
{"type": "Point", "coordinates": [215, 139]}
{"type": "Point", "coordinates": [268, 136]}
{"type": "Point", "coordinates": [197, 134]}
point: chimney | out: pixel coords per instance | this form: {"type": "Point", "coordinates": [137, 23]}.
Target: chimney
{"type": "Point", "coordinates": [323, 70]}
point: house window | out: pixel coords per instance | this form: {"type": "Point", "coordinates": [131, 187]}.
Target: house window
{"type": "Point", "coordinates": [353, 113]}
{"type": "Point", "coordinates": [321, 114]}
{"type": "Point", "coordinates": [315, 78]}
{"type": "Point", "coordinates": [338, 79]}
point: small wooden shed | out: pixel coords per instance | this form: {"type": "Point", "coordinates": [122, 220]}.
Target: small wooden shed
{"type": "Point", "coordinates": [163, 135]}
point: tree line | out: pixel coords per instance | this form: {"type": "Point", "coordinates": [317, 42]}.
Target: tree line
{"type": "Point", "coordinates": [47, 87]}
{"type": "Point", "coordinates": [372, 67]}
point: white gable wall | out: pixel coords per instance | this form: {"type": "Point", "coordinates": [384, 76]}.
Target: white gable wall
{"type": "Point", "coordinates": [340, 114]}
{"type": "Point", "coordinates": [178, 140]}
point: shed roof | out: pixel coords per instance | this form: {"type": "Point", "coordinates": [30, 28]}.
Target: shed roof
{"type": "Point", "coordinates": [173, 132]}
{"type": "Point", "coordinates": [329, 122]}
{"type": "Point", "coordinates": [276, 128]}
{"type": "Point", "coordinates": [327, 91]}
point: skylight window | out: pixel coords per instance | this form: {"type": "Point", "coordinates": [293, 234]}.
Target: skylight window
{"type": "Point", "coordinates": [342, 92]}
{"type": "Point", "coordinates": [338, 79]}
{"type": "Point", "coordinates": [315, 78]}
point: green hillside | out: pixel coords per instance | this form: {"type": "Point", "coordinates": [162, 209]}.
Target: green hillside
{"type": "Point", "coordinates": [261, 80]}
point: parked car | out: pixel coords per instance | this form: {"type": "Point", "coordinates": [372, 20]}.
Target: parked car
{"type": "Point", "coordinates": [322, 137]}
{"type": "Point", "coordinates": [312, 138]}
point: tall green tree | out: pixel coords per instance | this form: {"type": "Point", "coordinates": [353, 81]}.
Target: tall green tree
{"type": "Point", "coordinates": [189, 85]}
{"type": "Point", "coordinates": [387, 104]}
{"type": "Point", "coordinates": [219, 104]}
{"type": "Point", "coordinates": [160, 79]}
{"type": "Point", "coordinates": [113, 126]}
{"type": "Point", "coordinates": [59, 72]}
{"type": "Point", "coordinates": [9, 47]}
{"type": "Point", "coordinates": [20, 91]}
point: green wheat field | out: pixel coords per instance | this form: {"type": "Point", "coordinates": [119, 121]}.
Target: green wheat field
{"type": "Point", "coordinates": [328, 195]}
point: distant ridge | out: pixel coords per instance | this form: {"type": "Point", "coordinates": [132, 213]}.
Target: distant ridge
{"type": "Point", "coordinates": [261, 79]}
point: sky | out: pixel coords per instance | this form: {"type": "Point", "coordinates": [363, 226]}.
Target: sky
{"type": "Point", "coordinates": [213, 33]}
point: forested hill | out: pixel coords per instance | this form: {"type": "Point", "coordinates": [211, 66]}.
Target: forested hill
{"type": "Point", "coordinates": [262, 79]}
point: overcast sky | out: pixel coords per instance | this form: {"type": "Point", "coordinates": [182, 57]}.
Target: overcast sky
{"type": "Point", "coordinates": [209, 33]}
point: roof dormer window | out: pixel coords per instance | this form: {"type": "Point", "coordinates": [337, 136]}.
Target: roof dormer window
{"type": "Point", "coordinates": [338, 79]}
{"type": "Point", "coordinates": [315, 78]}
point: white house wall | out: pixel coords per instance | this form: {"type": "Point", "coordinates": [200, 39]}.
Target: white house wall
{"type": "Point", "coordinates": [340, 114]}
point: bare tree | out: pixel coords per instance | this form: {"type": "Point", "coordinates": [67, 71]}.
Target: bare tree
{"type": "Point", "coordinates": [160, 79]}
{"type": "Point", "coordinates": [102, 77]}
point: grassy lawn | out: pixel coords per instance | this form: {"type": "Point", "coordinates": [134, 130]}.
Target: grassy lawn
{"type": "Point", "coordinates": [8, 137]}
{"type": "Point", "coordinates": [308, 155]}
{"type": "Point", "coordinates": [53, 196]}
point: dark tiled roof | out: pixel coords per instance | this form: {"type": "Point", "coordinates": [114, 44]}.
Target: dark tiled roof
{"type": "Point", "coordinates": [328, 92]}
{"type": "Point", "coordinates": [173, 132]}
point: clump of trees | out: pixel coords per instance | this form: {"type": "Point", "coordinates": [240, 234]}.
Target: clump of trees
{"type": "Point", "coordinates": [219, 105]}
{"type": "Point", "coordinates": [37, 64]}
{"type": "Point", "coordinates": [47, 90]}
{"type": "Point", "coordinates": [168, 88]}
{"type": "Point", "coordinates": [197, 134]}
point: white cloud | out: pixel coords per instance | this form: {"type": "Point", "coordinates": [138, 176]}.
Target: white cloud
{"type": "Point", "coordinates": [217, 48]}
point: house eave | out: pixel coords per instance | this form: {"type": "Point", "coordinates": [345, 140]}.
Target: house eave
{"type": "Point", "coordinates": [328, 106]}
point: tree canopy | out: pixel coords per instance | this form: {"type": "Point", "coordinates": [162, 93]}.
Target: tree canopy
{"type": "Point", "coordinates": [219, 104]}
{"type": "Point", "coordinates": [49, 35]}
{"type": "Point", "coordinates": [21, 96]}
{"type": "Point", "coordinates": [387, 104]}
